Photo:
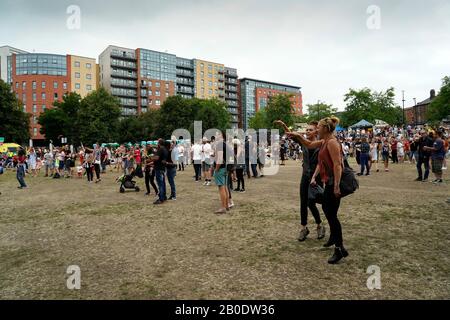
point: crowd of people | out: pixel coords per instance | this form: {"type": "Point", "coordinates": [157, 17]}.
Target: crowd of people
{"type": "Point", "coordinates": [229, 162]}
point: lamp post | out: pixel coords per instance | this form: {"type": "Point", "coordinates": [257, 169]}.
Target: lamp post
{"type": "Point", "coordinates": [404, 122]}
{"type": "Point", "coordinates": [415, 112]}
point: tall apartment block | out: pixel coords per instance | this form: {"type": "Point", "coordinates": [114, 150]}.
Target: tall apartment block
{"type": "Point", "coordinates": [255, 94]}
{"type": "Point", "coordinates": [144, 79]}
{"type": "Point", "coordinates": [5, 52]}
{"type": "Point", "coordinates": [39, 80]}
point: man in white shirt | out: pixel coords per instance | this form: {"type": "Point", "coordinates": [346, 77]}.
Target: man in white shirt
{"type": "Point", "coordinates": [180, 149]}
{"type": "Point", "coordinates": [206, 163]}
{"type": "Point", "coordinates": [196, 153]}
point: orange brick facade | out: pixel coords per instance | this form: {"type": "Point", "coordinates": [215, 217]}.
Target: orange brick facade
{"type": "Point", "coordinates": [262, 94]}
{"type": "Point", "coordinates": [39, 92]}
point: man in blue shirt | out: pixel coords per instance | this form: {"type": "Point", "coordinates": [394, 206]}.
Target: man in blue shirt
{"type": "Point", "coordinates": [437, 156]}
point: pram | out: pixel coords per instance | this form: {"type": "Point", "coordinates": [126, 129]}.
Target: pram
{"type": "Point", "coordinates": [127, 182]}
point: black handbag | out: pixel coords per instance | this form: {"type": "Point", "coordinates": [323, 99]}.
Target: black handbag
{"type": "Point", "coordinates": [315, 193]}
{"type": "Point", "coordinates": [349, 184]}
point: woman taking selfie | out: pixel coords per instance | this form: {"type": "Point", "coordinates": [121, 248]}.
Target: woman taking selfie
{"type": "Point", "coordinates": [330, 166]}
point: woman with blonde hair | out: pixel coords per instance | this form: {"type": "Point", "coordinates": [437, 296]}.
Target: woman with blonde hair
{"type": "Point", "coordinates": [330, 166]}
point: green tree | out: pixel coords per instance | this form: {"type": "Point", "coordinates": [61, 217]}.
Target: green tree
{"type": "Point", "coordinates": [279, 108]}
{"type": "Point", "coordinates": [440, 107]}
{"type": "Point", "coordinates": [138, 128]}
{"type": "Point", "coordinates": [60, 120]}
{"type": "Point", "coordinates": [368, 105]}
{"type": "Point", "coordinates": [259, 120]}
{"type": "Point", "coordinates": [98, 118]}
{"type": "Point", "coordinates": [320, 110]}
{"type": "Point", "coordinates": [213, 114]}
{"type": "Point", "coordinates": [176, 112]}
{"type": "Point", "coordinates": [14, 123]}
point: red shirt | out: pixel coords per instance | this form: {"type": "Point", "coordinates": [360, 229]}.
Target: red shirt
{"type": "Point", "coordinates": [137, 156]}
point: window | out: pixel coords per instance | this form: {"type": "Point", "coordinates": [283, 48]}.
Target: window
{"type": "Point", "coordinates": [150, 92]}
{"type": "Point", "coordinates": [24, 85]}
{"type": "Point", "coordinates": [24, 98]}
{"type": "Point", "coordinates": [167, 94]}
{"type": "Point", "coordinates": [24, 108]}
{"type": "Point", "coordinates": [55, 85]}
{"type": "Point", "coordinates": [77, 75]}
{"type": "Point", "coordinates": [43, 84]}
{"type": "Point", "coordinates": [35, 132]}
{"type": "Point", "coordinates": [43, 96]}
{"type": "Point", "coordinates": [210, 91]}
{"type": "Point", "coordinates": [88, 87]}
{"type": "Point", "coordinates": [209, 67]}
{"type": "Point", "coordinates": [43, 108]}
{"type": "Point", "coordinates": [157, 84]}
{"type": "Point", "coordinates": [35, 121]}
{"type": "Point", "coordinates": [88, 76]}
{"type": "Point", "coordinates": [65, 86]}
{"type": "Point", "coordinates": [167, 86]}
{"type": "Point", "coordinates": [34, 85]}
{"type": "Point", "coordinates": [55, 97]}
{"type": "Point", "coordinates": [17, 85]}
{"type": "Point", "coordinates": [210, 83]}
{"type": "Point", "coordinates": [34, 108]}
{"type": "Point", "coordinates": [88, 66]}
{"type": "Point", "coordinates": [203, 83]}
{"type": "Point", "coordinates": [202, 74]}
{"type": "Point", "coordinates": [77, 64]}
{"type": "Point", "coordinates": [77, 86]}
{"type": "Point", "coordinates": [34, 96]}
{"type": "Point", "coordinates": [157, 93]}
{"type": "Point", "coordinates": [158, 102]}
{"type": "Point", "coordinates": [202, 65]}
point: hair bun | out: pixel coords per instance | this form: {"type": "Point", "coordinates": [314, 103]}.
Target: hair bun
{"type": "Point", "coordinates": [335, 120]}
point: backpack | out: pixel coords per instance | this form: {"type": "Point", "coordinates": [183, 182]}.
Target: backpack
{"type": "Point", "coordinates": [349, 184]}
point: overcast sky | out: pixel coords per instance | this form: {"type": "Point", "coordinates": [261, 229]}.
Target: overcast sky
{"type": "Point", "coordinates": [325, 47]}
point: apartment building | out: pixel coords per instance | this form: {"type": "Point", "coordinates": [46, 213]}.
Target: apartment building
{"type": "Point", "coordinates": [255, 95]}
{"type": "Point", "coordinates": [5, 52]}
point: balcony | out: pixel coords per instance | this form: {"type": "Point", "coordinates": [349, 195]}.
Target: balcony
{"type": "Point", "coordinates": [231, 89]}
{"type": "Point", "coordinates": [124, 75]}
{"type": "Point", "coordinates": [184, 73]}
{"type": "Point", "coordinates": [126, 66]}
{"type": "Point", "coordinates": [185, 83]}
{"type": "Point", "coordinates": [124, 56]}
{"type": "Point", "coordinates": [123, 85]}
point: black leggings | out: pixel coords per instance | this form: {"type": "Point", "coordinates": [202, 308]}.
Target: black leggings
{"type": "Point", "coordinates": [330, 207]}
{"type": "Point", "coordinates": [97, 170]}
{"type": "Point", "coordinates": [240, 178]}
{"type": "Point", "coordinates": [198, 171]}
{"type": "Point", "coordinates": [305, 203]}
{"type": "Point", "coordinates": [150, 179]}
{"type": "Point", "coordinates": [89, 173]}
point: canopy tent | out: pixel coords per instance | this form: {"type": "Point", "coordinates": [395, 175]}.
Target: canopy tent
{"type": "Point", "coordinates": [339, 128]}
{"type": "Point", "coordinates": [380, 124]}
{"type": "Point", "coordinates": [362, 125]}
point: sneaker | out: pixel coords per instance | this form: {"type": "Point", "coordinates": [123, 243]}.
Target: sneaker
{"type": "Point", "coordinates": [205, 183]}
{"type": "Point", "coordinates": [359, 174]}
{"type": "Point", "coordinates": [321, 232]}
{"type": "Point", "coordinates": [158, 202]}
{"type": "Point", "coordinates": [237, 190]}
{"type": "Point", "coordinates": [221, 211]}
{"type": "Point", "coordinates": [242, 191]}
{"type": "Point", "coordinates": [230, 205]}
{"type": "Point", "coordinates": [303, 234]}
{"type": "Point", "coordinates": [425, 180]}
{"type": "Point", "coordinates": [444, 168]}
{"type": "Point", "coordinates": [208, 184]}
{"type": "Point", "coordinates": [147, 193]}
{"type": "Point", "coordinates": [418, 179]}
{"type": "Point", "coordinates": [173, 198]}
{"type": "Point", "coordinates": [437, 181]}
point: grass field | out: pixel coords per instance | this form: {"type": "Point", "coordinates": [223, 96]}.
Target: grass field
{"type": "Point", "coordinates": [129, 249]}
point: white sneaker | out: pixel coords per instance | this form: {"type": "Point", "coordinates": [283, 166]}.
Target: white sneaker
{"type": "Point", "coordinates": [444, 168]}
{"type": "Point", "coordinates": [208, 184]}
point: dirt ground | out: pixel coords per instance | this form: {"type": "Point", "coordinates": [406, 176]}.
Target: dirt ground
{"type": "Point", "coordinates": [129, 249]}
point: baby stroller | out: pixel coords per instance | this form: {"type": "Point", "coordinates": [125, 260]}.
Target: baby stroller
{"type": "Point", "coordinates": [127, 182]}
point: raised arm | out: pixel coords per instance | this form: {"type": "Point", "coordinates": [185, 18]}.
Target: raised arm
{"type": "Point", "coordinates": [298, 137]}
